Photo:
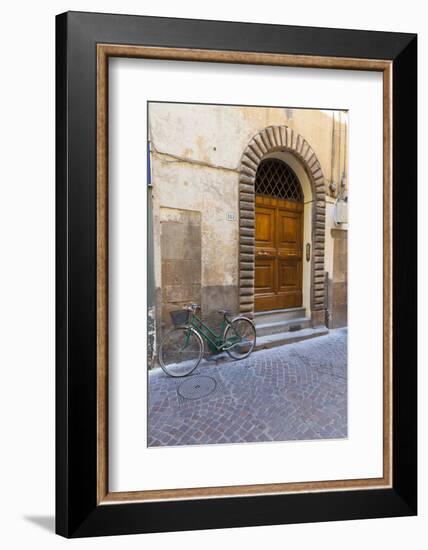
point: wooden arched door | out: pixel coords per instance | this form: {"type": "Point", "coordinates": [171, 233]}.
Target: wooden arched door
{"type": "Point", "coordinates": [278, 237]}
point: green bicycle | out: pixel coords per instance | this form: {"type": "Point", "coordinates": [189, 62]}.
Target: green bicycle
{"type": "Point", "coordinates": [182, 348]}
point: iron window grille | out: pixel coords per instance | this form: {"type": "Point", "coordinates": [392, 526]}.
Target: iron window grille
{"type": "Point", "coordinates": [274, 178]}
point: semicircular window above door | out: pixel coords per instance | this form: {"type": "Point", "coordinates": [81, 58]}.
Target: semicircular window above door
{"type": "Point", "coordinates": [275, 178]}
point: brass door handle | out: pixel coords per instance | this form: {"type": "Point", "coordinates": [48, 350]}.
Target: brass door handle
{"type": "Point", "coordinates": [262, 253]}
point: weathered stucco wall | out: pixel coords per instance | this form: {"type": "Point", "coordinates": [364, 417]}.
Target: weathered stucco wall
{"type": "Point", "coordinates": [217, 135]}
{"type": "Point", "coordinates": [195, 157]}
{"type": "Point", "coordinates": [180, 253]}
{"type": "Point", "coordinates": [338, 283]}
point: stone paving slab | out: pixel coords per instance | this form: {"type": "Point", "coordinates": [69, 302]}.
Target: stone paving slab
{"type": "Point", "coordinates": [293, 392]}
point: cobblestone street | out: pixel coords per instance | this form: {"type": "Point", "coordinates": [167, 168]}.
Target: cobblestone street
{"type": "Point", "coordinates": [293, 392]}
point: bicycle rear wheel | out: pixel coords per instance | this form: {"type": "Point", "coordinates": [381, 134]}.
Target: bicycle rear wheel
{"type": "Point", "coordinates": [241, 334]}
{"type": "Point", "coordinates": [180, 351]}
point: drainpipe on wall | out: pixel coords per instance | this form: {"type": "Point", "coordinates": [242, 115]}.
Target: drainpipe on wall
{"type": "Point", "coordinates": [151, 310]}
{"type": "Point", "coordinates": [327, 301]}
{"type": "Point", "coordinates": [332, 186]}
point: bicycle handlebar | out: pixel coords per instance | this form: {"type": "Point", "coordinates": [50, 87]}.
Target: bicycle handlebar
{"type": "Point", "coordinates": [192, 307]}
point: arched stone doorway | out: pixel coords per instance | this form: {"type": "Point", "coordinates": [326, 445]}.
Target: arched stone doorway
{"type": "Point", "coordinates": [275, 141]}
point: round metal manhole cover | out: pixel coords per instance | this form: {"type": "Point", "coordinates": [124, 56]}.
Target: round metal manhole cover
{"type": "Point", "coordinates": [196, 387]}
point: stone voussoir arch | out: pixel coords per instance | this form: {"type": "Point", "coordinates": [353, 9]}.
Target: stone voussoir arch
{"type": "Point", "coordinates": [269, 140]}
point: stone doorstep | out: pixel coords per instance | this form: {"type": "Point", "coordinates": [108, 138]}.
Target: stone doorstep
{"type": "Point", "coordinates": [281, 338]}
{"type": "Point", "coordinates": [282, 326]}
{"type": "Point", "coordinates": [276, 315]}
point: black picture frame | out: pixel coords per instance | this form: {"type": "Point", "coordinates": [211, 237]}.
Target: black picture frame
{"type": "Point", "coordinates": [77, 511]}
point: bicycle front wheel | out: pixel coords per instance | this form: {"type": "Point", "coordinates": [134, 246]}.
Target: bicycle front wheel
{"type": "Point", "coordinates": [240, 338]}
{"type": "Point", "coordinates": [180, 351]}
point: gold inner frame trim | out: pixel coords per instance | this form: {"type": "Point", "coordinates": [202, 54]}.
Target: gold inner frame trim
{"type": "Point", "coordinates": [104, 51]}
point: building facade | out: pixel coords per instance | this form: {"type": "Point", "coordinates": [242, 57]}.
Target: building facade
{"type": "Point", "coordinates": [247, 211]}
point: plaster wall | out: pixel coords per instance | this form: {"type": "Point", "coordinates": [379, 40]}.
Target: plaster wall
{"type": "Point", "coordinates": [195, 161]}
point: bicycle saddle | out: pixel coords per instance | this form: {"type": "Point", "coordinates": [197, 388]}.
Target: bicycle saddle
{"type": "Point", "coordinates": [224, 312]}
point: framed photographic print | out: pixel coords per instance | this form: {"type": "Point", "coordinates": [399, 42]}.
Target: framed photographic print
{"type": "Point", "coordinates": [236, 274]}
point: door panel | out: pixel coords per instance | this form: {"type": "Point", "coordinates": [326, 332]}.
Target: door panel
{"type": "Point", "coordinates": [265, 227]}
{"type": "Point", "coordinates": [279, 248]}
{"type": "Point", "coordinates": [289, 229]}
{"type": "Point", "coordinates": [288, 275]}
{"type": "Point", "coordinates": [264, 277]}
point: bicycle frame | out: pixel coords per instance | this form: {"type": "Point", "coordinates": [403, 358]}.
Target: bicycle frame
{"type": "Point", "coordinates": [215, 341]}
